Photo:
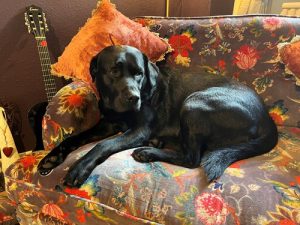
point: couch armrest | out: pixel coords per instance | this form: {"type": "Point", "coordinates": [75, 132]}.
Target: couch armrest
{"type": "Point", "coordinates": [72, 110]}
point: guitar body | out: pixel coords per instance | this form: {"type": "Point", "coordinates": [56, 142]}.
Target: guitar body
{"type": "Point", "coordinates": [35, 21]}
{"type": "Point", "coordinates": [35, 118]}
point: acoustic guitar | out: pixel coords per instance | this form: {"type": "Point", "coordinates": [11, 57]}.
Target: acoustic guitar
{"type": "Point", "coordinates": [35, 21]}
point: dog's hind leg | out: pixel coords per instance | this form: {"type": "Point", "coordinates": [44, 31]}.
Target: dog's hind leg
{"type": "Point", "coordinates": [193, 131]}
{"type": "Point", "coordinates": [215, 161]}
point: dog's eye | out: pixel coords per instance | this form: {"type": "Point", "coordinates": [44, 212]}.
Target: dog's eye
{"type": "Point", "coordinates": [115, 71]}
{"type": "Point", "coordinates": [138, 74]}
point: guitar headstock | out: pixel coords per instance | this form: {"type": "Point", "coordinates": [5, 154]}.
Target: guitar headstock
{"type": "Point", "coordinates": [35, 21]}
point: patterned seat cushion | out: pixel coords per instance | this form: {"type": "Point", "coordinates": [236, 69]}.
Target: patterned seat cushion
{"type": "Point", "coordinates": [7, 207]}
{"type": "Point", "coordinates": [7, 210]}
{"type": "Point", "coordinates": [259, 190]}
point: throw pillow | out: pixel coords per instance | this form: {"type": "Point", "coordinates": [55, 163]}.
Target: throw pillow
{"type": "Point", "coordinates": [290, 54]}
{"type": "Point", "coordinates": [105, 25]}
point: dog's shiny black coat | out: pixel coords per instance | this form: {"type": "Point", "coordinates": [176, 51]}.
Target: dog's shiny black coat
{"type": "Point", "coordinates": [207, 119]}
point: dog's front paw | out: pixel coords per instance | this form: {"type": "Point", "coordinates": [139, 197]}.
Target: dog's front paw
{"type": "Point", "coordinates": [143, 154]}
{"type": "Point", "coordinates": [79, 172]}
{"type": "Point", "coordinates": [51, 161]}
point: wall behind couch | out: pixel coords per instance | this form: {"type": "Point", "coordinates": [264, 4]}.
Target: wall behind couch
{"type": "Point", "coordinates": [20, 73]}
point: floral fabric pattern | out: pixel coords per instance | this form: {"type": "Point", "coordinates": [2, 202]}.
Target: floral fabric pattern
{"type": "Point", "coordinates": [160, 193]}
{"type": "Point", "coordinates": [7, 206]}
{"type": "Point", "coordinates": [211, 209]}
{"type": "Point", "coordinates": [243, 48]}
{"type": "Point", "coordinates": [182, 45]}
{"type": "Point", "coordinates": [7, 210]}
{"type": "Point", "coordinates": [262, 190]}
{"type": "Point", "coordinates": [246, 57]}
{"type": "Point", "coordinates": [72, 110]}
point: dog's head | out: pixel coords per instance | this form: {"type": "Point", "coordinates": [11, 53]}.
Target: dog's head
{"type": "Point", "coordinates": [124, 77]}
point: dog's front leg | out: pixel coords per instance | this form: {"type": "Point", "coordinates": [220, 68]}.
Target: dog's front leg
{"type": "Point", "coordinates": [81, 169]}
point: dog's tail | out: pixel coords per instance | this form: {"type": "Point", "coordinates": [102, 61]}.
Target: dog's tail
{"type": "Point", "coordinates": [216, 161]}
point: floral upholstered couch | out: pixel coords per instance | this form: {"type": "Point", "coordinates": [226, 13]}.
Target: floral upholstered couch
{"type": "Point", "coordinates": [261, 190]}
{"type": "Point", "coordinates": [7, 206]}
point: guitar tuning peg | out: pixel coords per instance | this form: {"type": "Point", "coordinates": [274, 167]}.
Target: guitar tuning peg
{"type": "Point", "coordinates": [45, 22]}
{"type": "Point", "coordinates": [44, 16]}
{"type": "Point", "coordinates": [27, 23]}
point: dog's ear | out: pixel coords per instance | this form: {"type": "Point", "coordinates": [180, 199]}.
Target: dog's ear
{"type": "Point", "coordinates": [151, 71]}
{"type": "Point", "coordinates": [94, 67]}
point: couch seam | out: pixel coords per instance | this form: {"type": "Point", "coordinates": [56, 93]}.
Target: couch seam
{"type": "Point", "coordinates": [214, 17]}
{"type": "Point", "coordinates": [84, 199]}
{"type": "Point", "coordinates": [49, 189]}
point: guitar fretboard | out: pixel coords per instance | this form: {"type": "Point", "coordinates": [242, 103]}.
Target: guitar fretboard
{"type": "Point", "coordinates": [48, 79]}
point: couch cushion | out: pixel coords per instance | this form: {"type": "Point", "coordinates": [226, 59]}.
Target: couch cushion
{"type": "Point", "coordinates": [260, 190]}
{"type": "Point", "coordinates": [244, 48]}
{"type": "Point", "coordinates": [7, 210]}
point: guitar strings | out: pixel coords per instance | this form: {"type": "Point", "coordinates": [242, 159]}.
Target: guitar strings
{"type": "Point", "coordinates": [51, 87]}
{"type": "Point", "coordinates": [49, 81]}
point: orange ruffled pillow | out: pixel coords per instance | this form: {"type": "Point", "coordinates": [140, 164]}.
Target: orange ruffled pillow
{"type": "Point", "coordinates": [106, 23]}
{"type": "Point", "coordinates": [290, 56]}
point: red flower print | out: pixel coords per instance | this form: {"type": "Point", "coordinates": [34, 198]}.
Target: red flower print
{"type": "Point", "coordinates": [278, 112]}
{"type": "Point", "coordinates": [277, 118]}
{"type": "Point", "coordinates": [246, 57]}
{"type": "Point", "coordinates": [53, 210]}
{"type": "Point", "coordinates": [297, 178]}
{"type": "Point", "coordinates": [222, 64]}
{"type": "Point", "coordinates": [80, 216]}
{"type": "Point", "coordinates": [28, 161]}
{"type": "Point", "coordinates": [4, 217]}
{"type": "Point", "coordinates": [295, 130]}
{"type": "Point", "coordinates": [296, 182]}
{"type": "Point", "coordinates": [72, 101]}
{"type": "Point", "coordinates": [211, 209]}
{"type": "Point", "coordinates": [47, 121]}
{"type": "Point", "coordinates": [181, 44]}
{"type": "Point", "coordinates": [75, 100]}
{"type": "Point", "coordinates": [141, 21]}
{"type": "Point", "coordinates": [237, 164]}
{"type": "Point", "coordinates": [286, 222]}
{"type": "Point", "coordinates": [272, 24]}
{"type": "Point", "coordinates": [78, 192]}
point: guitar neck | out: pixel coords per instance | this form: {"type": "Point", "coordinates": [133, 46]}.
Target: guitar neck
{"type": "Point", "coordinates": [48, 79]}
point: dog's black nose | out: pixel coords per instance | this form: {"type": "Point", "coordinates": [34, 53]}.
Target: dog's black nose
{"type": "Point", "coordinates": [133, 99]}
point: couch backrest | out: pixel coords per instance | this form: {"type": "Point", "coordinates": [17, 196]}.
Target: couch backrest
{"type": "Point", "coordinates": [241, 47]}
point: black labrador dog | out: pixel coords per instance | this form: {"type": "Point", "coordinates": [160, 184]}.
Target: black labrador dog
{"type": "Point", "coordinates": [213, 121]}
